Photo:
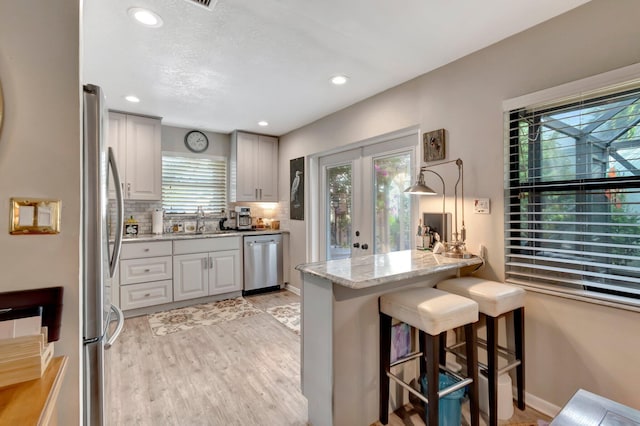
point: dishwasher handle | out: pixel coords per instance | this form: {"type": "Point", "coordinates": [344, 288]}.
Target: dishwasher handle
{"type": "Point", "coordinates": [263, 243]}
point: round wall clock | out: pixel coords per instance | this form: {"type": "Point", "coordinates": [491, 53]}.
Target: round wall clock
{"type": "Point", "coordinates": [196, 141]}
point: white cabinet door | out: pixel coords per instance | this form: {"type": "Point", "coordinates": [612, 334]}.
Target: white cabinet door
{"type": "Point", "coordinates": [247, 171]}
{"type": "Point", "coordinates": [117, 139]}
{"type": "Point", "coordinates": [225, 272]}
{"type": "Point", "coordinates": [190, 276]}
{"type": "Point", "coordinates": [144, 159]}
{"type": "Point", "coordinates": [267, 169]}
{"type": "Point", "coordinates": [254, 167]}
{"type": "Point", "coordinates": [136, 143]}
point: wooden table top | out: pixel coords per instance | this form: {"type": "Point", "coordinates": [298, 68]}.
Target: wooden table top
{"type": "Point", "coordinates": [33, 402]}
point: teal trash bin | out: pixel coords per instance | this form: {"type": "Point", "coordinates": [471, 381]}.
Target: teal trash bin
{"type": "Point", "coordinates": [450, 410]}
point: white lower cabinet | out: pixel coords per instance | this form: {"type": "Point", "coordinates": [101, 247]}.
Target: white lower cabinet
{"type": "Point", "coordinates": [146, 273]}
{"type": "Point", "coordinates": [159, 272]}
{"type": "Point", "coordinates": [216, 271]}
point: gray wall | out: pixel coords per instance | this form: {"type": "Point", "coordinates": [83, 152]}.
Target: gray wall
{"type": "Point", "coordinates": [40, 157]}
{"type": "Point", "coordinates": [173, 140]}
{"type": "Point", "coordinates": [570, 344]}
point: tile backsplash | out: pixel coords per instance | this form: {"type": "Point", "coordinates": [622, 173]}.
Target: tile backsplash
{"type": "Point", "coordinates": [142, 213]}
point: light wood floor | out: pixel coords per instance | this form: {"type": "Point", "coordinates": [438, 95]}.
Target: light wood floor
{"type": "Point", "coordinates": [240, 372]}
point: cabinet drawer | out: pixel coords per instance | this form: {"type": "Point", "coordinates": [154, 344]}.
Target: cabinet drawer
{"type": "Point", "coordinates": [146, 294]}
{"type": "Point", "coordinates": [133, 271]}
{"type": "Point", "coordinates": [132, 250]}
{"type": "Point", "coordinates": [203, 245]}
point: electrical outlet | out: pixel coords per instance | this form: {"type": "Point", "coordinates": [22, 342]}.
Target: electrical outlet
{"type": "Point", "coordinates": [482, 205]}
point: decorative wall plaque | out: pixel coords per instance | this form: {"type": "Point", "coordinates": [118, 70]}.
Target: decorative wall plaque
{"type": "Point", "coordinates": [433, 145]}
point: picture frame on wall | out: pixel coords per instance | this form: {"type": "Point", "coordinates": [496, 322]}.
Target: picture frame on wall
{"type": "Point", "coordinates": [296, 185]}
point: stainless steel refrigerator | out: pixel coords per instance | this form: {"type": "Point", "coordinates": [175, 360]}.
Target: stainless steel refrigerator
{"type": "Point", "coordinates": [99, 258]}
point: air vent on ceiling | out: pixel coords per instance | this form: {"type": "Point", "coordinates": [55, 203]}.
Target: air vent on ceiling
{"type": "Point", "coordinates": [207, 4]}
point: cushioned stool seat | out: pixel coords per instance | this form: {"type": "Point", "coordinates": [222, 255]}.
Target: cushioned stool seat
{"type": "Point", "coordinates": [494, 300]}
{"type": "Point", "coordinates": [432, 312]}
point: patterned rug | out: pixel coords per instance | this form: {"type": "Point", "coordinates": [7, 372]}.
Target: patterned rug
{"type": "Point", "coordinates": [163, 323]}
{"type": "Point", "coordinates": [289, 315]}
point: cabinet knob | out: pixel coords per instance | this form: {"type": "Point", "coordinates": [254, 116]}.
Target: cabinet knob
{"type": "Point", "coordinates": [146, 249]}
{"type": "Point", "coordinates": [147, 294]}
{"type": "Point", "coordinates": [147, 270]}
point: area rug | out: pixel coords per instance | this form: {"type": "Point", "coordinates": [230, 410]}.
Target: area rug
{"type": "Point", "coordinates": [289, 315]}
{"type": "Point", "coordinates": [163, 323]}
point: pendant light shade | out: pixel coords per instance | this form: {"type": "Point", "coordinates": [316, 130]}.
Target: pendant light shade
{"type": "Point", "coordinates": [419, 188]}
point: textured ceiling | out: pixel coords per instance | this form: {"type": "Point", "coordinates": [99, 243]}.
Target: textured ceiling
{"type": "Point", "coordinates": [251, 60]}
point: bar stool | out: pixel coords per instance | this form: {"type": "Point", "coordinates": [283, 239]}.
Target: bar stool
{"type": "Point", "coordinates": [495, 300]}
{"type": "Point", "coordinates": [432, 312]}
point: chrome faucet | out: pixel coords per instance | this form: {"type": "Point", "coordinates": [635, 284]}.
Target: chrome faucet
{"type": "Point", "coordinates": [200, 224]}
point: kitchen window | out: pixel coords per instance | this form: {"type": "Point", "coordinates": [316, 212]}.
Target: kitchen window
{"type": "Point", "coordinates": [572, 200]}
{"type": "Point", "coordinates": [192, 181]}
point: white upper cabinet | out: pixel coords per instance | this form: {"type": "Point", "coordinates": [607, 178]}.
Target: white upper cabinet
{"type": "Point", "coordinates": [137, 147]}
{"type": "Point", "coordinates": [254, 167]}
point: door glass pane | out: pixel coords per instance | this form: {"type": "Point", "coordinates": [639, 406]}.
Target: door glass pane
{"type": "Point", "coordinates": [392, 206]}
{"type": "Point", "coordinates": [339, 206]}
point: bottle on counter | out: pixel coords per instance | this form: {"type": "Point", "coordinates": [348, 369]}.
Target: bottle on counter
{"type": "Point", "coordinates": [419, 236]}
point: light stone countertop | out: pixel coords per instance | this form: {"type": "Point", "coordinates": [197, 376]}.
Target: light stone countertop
{"type": "Point", "coordinates": [193, 236]}
{"type": "Point", "coordinates": [378, 269]}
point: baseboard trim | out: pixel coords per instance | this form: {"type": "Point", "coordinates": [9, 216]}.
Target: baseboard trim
{"type": "Point", "coordinates": [541, 405]}
{"type": "Point", "coordinates": [292, 289]}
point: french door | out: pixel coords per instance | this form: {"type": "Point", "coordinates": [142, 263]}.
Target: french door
{"type": "Point", "coordinates": [363, 207]}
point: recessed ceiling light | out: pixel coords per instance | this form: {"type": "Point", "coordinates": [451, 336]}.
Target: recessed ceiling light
{"type": "Point", "coordinates": [263, 123]}
{"type": "Point", "coordinates": [145, 17]}
{"type": "Point", "coordinates": [339, 80]}
{"type": "Point", "coordinates": [132, 98]}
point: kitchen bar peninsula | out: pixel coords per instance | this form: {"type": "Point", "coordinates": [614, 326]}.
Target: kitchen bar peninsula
{"type": "Point", "coordinates": [340, 327]}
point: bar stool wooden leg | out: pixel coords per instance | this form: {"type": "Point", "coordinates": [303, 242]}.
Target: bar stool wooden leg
{"type": "Point", "coordinates": [422, 347]}
{"type": "Point", "coordinates": [492, 364]}
{"type": "Point", "coordinates": [385, 362]}
{"type": "Point", "coordinates": [432, 352]}
{"type": "Point", "coordinates": [443, 347]}
{"type": "Point", "coordinates": [472, 371]}
{"type": "Point", "coordinates": [518, 322]}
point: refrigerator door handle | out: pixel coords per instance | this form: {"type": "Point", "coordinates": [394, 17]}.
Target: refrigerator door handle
{"type": "Point", "coordinates": [115, 256]}
{"type": "Point", "coordinates": [119, 327]}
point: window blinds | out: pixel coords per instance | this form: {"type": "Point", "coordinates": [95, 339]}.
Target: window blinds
{"type": "Point", "coordinates": [189, 182]}
{"type": "Point", "coordinates": [573, 194]}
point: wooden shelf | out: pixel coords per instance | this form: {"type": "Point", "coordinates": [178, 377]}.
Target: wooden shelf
{"type": "Point", "coordinates": [33, 402]}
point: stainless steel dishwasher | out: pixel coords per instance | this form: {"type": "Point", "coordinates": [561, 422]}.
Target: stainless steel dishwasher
{"type": "Point", "coordinates": [262, 263]}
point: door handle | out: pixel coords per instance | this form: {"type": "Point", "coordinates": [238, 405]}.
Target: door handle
{"type": "Point", "coordinates": [119, 326]}
{"type": "Point", "coordinates": [365, 246]}
{"type": "Point", "coordinates": [210, 262]}
{"type": "Point", "coordinates": [117, 245]}
{"type": "Point", "coordinates": [356, 245]}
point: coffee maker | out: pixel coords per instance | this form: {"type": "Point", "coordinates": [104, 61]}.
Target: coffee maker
{"type": "Point", "coordinates": [243, 217]}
